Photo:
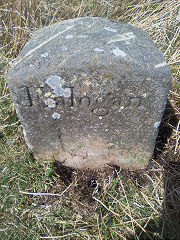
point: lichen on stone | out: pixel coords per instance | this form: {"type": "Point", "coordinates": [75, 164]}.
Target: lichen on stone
{"type": "Point", "coordinates": [54, 81]}
{"type": "Point", "coordinates": [56, 115]}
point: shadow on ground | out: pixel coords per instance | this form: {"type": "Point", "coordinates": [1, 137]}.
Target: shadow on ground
{"type": "Point", "coordinates": [165, 142]}
{"type": "Point", "coordinates": [166, 156]}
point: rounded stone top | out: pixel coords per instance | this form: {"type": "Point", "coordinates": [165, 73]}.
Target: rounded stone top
{"type": "Point", "coordinates": [88, 42]}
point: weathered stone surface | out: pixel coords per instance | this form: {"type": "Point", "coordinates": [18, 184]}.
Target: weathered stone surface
{"type": "Point", "coordinates": [90, 92]}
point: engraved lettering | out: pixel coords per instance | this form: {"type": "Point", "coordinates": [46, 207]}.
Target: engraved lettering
{"type": "Point", "coordinates": [26, 96]}
{"type": "Point", "coordinates": [29, 96]}
{"type": "Point", "coordinates": [67, 100]}
{"type": "Point", "coordinates": [116, 101]}
{"type": "Point", "coordinates": [101, 111]}
{"type": "Point", "coordinates": [100, 106]}
{"type": "Point", "coordinates": [85, 101]}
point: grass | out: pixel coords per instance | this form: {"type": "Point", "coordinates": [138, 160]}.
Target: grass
{"type": "Point", "coordinates": [40, 200]}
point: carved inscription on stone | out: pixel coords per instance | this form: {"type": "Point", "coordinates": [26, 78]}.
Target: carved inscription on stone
{"type": "Point", "coordinates": [99, 106]}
